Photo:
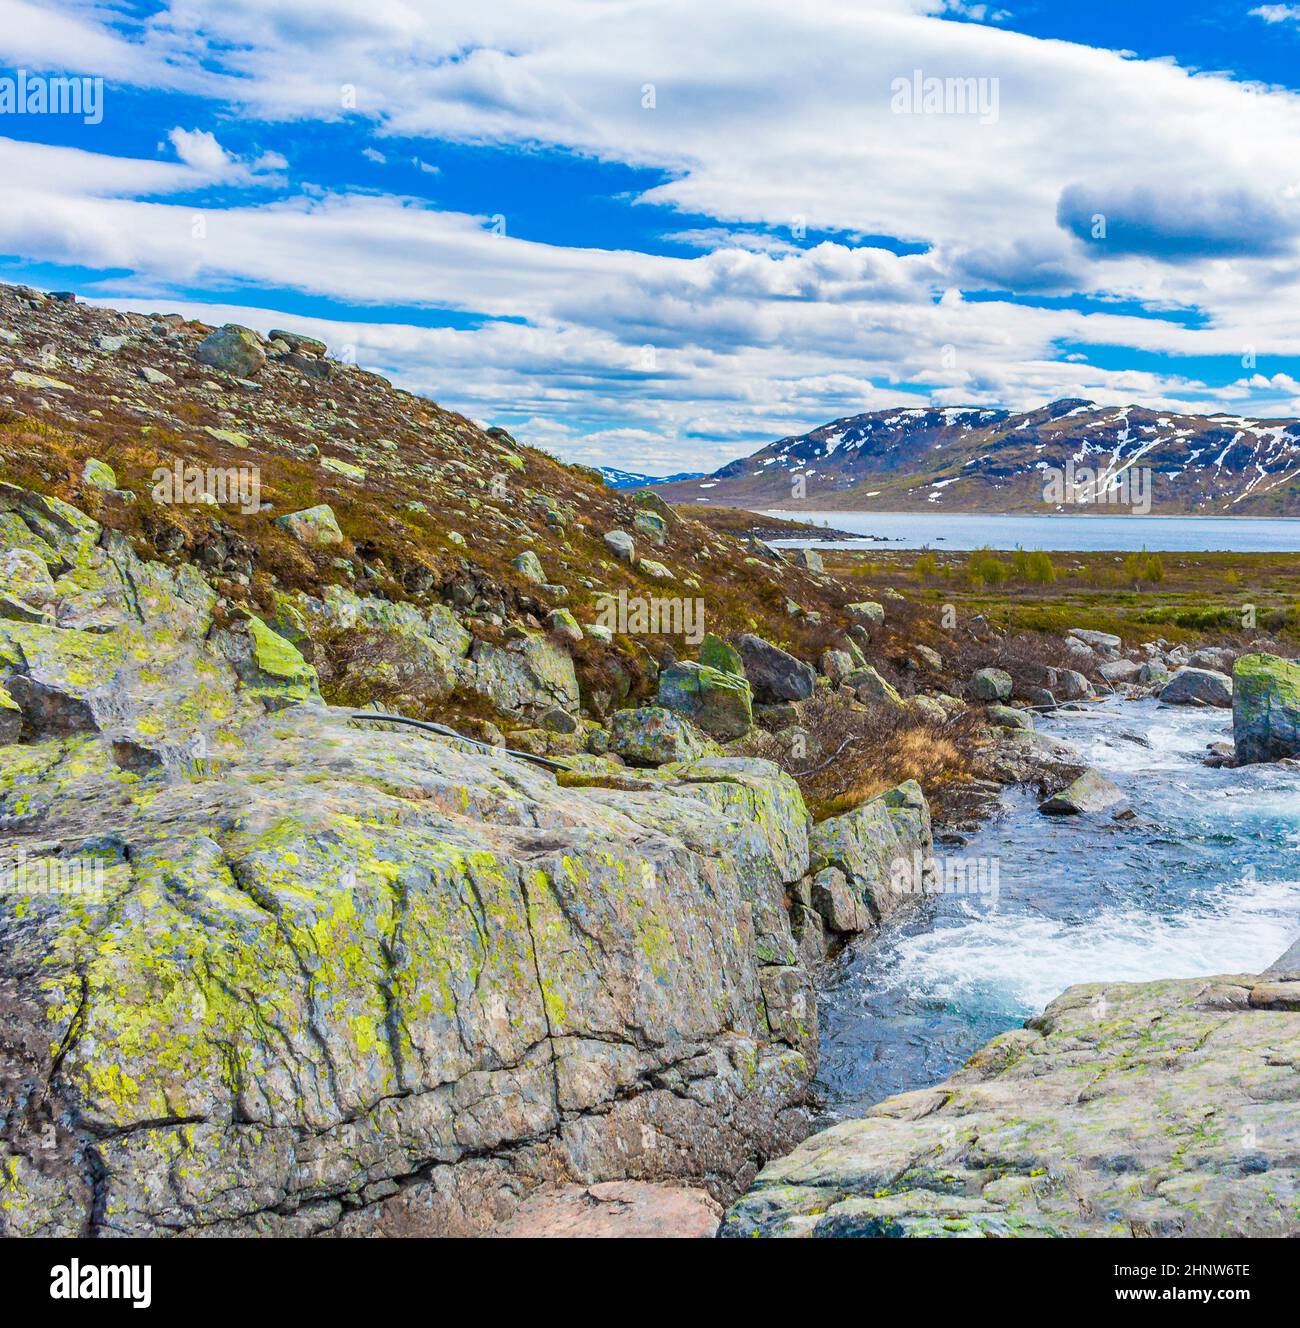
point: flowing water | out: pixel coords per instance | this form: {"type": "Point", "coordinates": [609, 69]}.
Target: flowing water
{"type": "Point", "coordinates": [1205, 880]}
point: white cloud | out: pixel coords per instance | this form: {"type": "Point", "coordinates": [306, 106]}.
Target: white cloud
{"type": "Point", "coordinates": [758, 128]}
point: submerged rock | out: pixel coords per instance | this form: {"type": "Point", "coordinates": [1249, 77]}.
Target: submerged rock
{"type": "Point", "coordinates": [1265, 708]}
{"type": "Point", "coordinates": [1091, 792]}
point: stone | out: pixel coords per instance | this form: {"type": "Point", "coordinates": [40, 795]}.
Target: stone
{"type": "Point", "coordinates": [529, 566]}
{"type": "Point", "coordinates": [1100, 641]}
{"type": "Point", "coordinates": [719, 703]}
{"type": "Point", "coordinates": [524, 676]}
{"type": "Point", "coordinates": [866, 847]}
{"type": "Point", "coordinates": [773, 673]}
{"type": "Point", "coordinates": [11, 718]}
{"type": "Point", "coordinates": [991, 685]}
{"type": "Point", "coordinates": [1202, 687]}
{"type": "Point", "coordinates": [1091, 792]}
{"type": "Point", "coordinates": [654, 736]}
{"type": "Point", "coordinates": [1156, 1109]}
{"type": "Point", "coordinates": [809, 559]}
{"type": "Point", "coordinates": [98, 475]}
{"type": "Point", "coordinates": [1008, 717]}
{"type": "Point", "coordinates": [1120, 671]}
{"type": "Point", "coordinates": [348, 469]}
{"type": "Point", "coordinates": [871, 688]}
{"type": "Point", "coordinates": [928, 658]}
{"type": "Point", "coordinates": [1071, 685]}
{"type": "Point", "coordinates": [656, 571]}
{"type": "Point", "coordinates": [867, 614]}
{"type": "Point", "coordinates": [316, 527]}
{"type": "Point", "coordinates": [233, 349]}
{"type": "Point", "coordinates": [652, 526]}
{"type": "Point", "coordinates": [298, 342]}
{"type": "Point", "coordinates": [715, 653]}
{"type": "Point", "coordinates": [1265, 708]}
{"type": "Point", "coordinates": [1153, 674]}
{"type": "Point", "coordinates": [841, 908]}
{"type": "Point", "coordinates": [564, 625]}
{"type": "Point", "coordinates": [621, 545]}
{"type": "Point", "coordinates": [836, 665]}
{"type": "Point", "coordinates": [623, 1209]}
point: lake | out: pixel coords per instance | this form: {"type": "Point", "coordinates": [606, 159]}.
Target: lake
{"type": "Point", "coordinates": [966, 530]}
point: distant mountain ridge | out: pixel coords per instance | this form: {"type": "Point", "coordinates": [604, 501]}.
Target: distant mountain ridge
{"type": "Point", "coordinates": [631, 479]}
{"type": "Point", "coordinates": [972, 459]}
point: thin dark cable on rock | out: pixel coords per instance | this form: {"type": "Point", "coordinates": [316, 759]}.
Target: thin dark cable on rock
{"type": "Point", "coordinates": [443, 731]}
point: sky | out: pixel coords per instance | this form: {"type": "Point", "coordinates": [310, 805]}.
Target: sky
{"type": "Point", "coordinates": [659, 234]}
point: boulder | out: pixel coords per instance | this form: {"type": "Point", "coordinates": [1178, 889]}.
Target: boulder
{"type": "Point", "coordinates": [1071, 685]}
{"type": "Point", "coordinates": [719, 703]}
{"type": "Point", "coordinates": [651, 525]}
{"type": "Point", "coordinates": [296, 341]}
{"type": "Point", "coordinates": [1203, 687]}
{"type": "Point", "coordinates": [654, 736]}
{"type": "Point", "coordinates": [715, 653]}
{"type": "Point", "coordinates": [317, 527]}
{"type": "Point", "coordinates": [1120, 671]}
{"type": "Point", "coordinates": [866, 614]}
{"type": "Point", "coordinates": [865, 850]}
{"type": "Point", "coordinates": [773, 673]}
{"type": "Point", "coordinates": [234, 350]}
{"type": "Point", "coordinates": [871, 688]}
{"type": "Point", "coordinates": [1153, 673]}
{"type": "Point", "coordinates": [809, 559]}
{"type": "Point", "coordinates": [621, 545]}
{"type": "Point", "coordinates": [1091, 792]}
{"type": "Point", "coordinates": [991, 685]}
{"type": "Point", "coordinates": [529, 566]}
{"type": "Point", "coordinates": [836, 665]}
{"type": "Point", "coordinates": [98, 475]}
{"type": "Point", "coordinates": [564, 625]}
{"type": "Point", "coordinates": [1265, 708]}
{"type": "Point", "coordinates": [1104, 643]}
{"type": "Point", "coordinates": [524, 676]}
{"type": "Point", "coordinates": [1008, 717]}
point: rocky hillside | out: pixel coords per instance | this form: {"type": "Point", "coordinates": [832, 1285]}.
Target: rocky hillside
{"type": "Point", "coordinates": [972, 460]}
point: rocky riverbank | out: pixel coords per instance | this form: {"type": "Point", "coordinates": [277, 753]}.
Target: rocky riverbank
{"type": "Point", "coordinates": [1152, 1109]}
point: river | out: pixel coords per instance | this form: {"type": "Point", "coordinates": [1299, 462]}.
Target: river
{"type": "Point", "coordinates": [1205, 880]}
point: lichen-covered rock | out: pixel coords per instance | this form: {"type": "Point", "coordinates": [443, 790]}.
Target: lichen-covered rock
{"type": "Point", "coordinates": [98, 474]}
{"type": "Point", "coordinates": [621, 544]}
{"type": "Point", "coordinates": [316, 527]}
{"type": "Point", "coordinates": [1265, 708]}
{"type": "Point", "coordinates": [867, 613]}
{"type": "Point", "coordinates": [1154, 1109]}
{"type": "Point", "coordinates": [655, 736]}
{"type": "Point", "coordinates": [233, 349]}
{"type": "Point", "coordinates": [871, 688]}
{"type": "Point", "coordinates": [715, 653]}
{"type": "Point", "coordinates": [352, 957]}
{"type": "Point", "coordinates": [529, 566]}
{"type": "Point", "coordinates": [524, 676]}
{"type": "Point", "coordinates": [719, 703]}
{"type": "Point", "coordinates": [991, 685]}
{"type": "Point", "coordinates": [1091, 792]}
{"type": "Point", "coordinates": [871, 849]}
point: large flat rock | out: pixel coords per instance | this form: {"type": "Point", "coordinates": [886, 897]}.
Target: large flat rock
{"type": "Point", "coordinates": [1152, 1109]}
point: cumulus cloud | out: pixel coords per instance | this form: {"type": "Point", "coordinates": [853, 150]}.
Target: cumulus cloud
{"type": "Point", "coordinates": [761, 139]}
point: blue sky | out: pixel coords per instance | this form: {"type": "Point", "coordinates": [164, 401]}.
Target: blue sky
{"type": "Point", "coordinates": [656, 236]}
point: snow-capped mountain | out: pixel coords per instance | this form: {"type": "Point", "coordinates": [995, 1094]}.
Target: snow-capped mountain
{"type": "Point", "coordinates": [630, 479]}
{"type": "Point", "coordinates": [1068, 456]}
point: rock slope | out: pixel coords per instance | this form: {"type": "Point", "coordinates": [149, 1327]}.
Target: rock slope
{"type": "Point", "coordinates": [268, 967]}
{"type": "Point", "coordinates": [1153, 1109]}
